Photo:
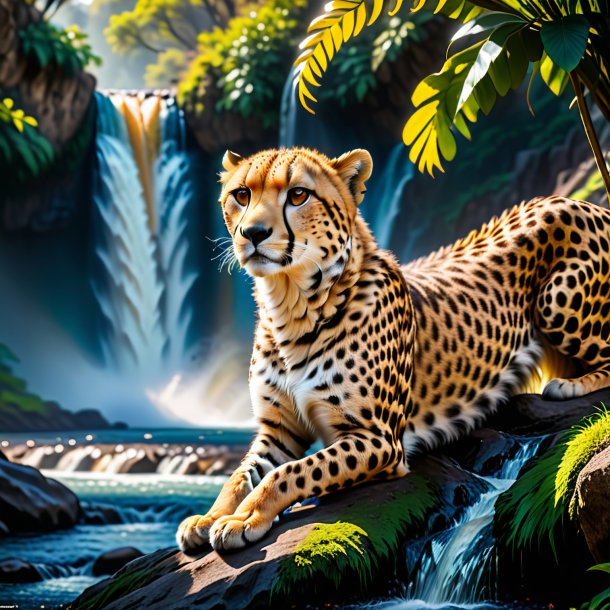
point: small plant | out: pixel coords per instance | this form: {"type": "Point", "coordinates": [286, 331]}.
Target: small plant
{"type": "Point", "coordinates": [602, 600]}
{"type": "Point", "coordinates": [24, 153]}
{"type": "Point", "coordinates": [67, 48]}
{"type": "Point", "coordinates": [532, 512]}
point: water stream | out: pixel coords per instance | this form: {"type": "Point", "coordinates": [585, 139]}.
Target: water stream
{"type": "Point", "coordinates": [456, 567]}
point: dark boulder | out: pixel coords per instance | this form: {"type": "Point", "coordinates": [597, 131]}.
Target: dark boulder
{"type": "Point", "coordinates": [112, 561]}
{"type": "Point", "coordinates": [592, 498]}
{"type": "Point", "coordinates": [30, 502]}
{"type": "Point", "coordinates": [13, 570]}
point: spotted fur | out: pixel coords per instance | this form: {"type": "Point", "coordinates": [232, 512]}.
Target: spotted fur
{"type": "Point", "coordinates": [377, 359]}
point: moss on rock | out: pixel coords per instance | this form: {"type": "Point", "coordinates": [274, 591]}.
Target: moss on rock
{"type": "Point", "coordinates": [353, 546]}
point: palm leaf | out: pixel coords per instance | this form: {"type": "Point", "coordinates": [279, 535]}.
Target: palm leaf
{"type": "Point", "coordinates": [469, 81]}
{"type": "Point", "coordinates": [343, 20]}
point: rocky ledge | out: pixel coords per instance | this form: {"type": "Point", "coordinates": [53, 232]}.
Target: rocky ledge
{"type": "Point", "coordinates": [30, 502]}
{"type": "Point", "coordinates": [353, 541]}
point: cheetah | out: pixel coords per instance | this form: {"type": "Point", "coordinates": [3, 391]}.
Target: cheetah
{"type": "Point", "coordinates": [377, 360]}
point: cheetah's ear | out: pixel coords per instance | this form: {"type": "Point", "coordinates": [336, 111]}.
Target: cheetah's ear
{"type": "Point", "coordinates": [231, 160]}
{"type": "Point", "coordinates": [354, 168]}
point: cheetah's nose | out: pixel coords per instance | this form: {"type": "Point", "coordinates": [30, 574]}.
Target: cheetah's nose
{"type": "Point", "coordinates": [256, 233]}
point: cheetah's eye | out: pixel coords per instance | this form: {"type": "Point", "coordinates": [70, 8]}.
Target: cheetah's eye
{"type": "Point", "coordinates": [298, 196]}
{"type": "Point", "coordinates": [242, 196]}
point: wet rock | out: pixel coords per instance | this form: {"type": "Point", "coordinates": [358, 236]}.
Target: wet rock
{"type": "Point", "coordinates": [246, 579]}
{"type": "Point", "coordinates": [592, 498]}
{"type": "Point", "coordinates": [112, 561]}
{"type": "Point", "coordinates": [30, 502]}
{"type": "Point", "coordinates": [530, 414]}
{"type": "Point", "coordinates": [100, 514]}
{"type": "Point", "coordinates": [13, 570]}
{"type": "Point", "coordinates": [484, 451]}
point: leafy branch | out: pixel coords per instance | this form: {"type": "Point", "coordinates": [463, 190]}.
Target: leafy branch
{"type": "Point", "coordinates": [67, 48]}
{"type": "Point", "coordinates": [343, 20]}
{"type": "Point", "coordinates": [562, 42]}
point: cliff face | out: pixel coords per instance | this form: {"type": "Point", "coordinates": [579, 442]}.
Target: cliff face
{"type": "Point", "coordinates": [59, 101]}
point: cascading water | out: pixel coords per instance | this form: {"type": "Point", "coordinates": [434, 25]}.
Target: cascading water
{"type": "Point", "coordinates": [142, 196]}
{"type": "Point", "coordinates": [455, 568]}
{"type": "Point", "coordinates": [392, 172]}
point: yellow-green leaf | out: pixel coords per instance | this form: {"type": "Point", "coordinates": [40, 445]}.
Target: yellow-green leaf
{"type": "Point", "coordinates": [555, 77]}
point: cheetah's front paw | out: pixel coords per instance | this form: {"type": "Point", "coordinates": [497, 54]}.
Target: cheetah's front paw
{"type": "Point", "coordinates": [194, 532]}
{"type": "Point", "coordinates": [237, 531]}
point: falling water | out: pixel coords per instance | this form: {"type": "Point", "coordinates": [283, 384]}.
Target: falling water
{"type": "Point", "coordinates": [142, 196]}
{"type": "Point", "coordinates": [392, 172]}
{"type": "Point", "coordinates": [454, 568]}
{"type": "Point", "coordinates": [386, 194]}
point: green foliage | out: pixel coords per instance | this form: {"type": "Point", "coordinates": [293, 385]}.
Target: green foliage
{"type": "Point", "coordinates": [169, 67]}
{"type": "Point", "coordinates": [13, 391]}
{"type": "Point", "coordinates": [159, 25]}
{"type": "Point", "coordinates": [248, 60]}
{"type": "Point", "coordinates": [353, 73]}
{"type": "Point", "coordinates": [355, 543]}
{"type": "Point", "coordinates": [24, 153]}
{"type": "Point", "coordinates": [562, 41]}
{"type": "Point", "coordinates": [591, 437]}
{"type": "Point", "coordinates": [531, 513]}
{"type": "Point", "coordinates": [602, 600]}
{"type": "Point", "coordinates": [67, 48]}
{"type": "Point", "coordinates": [341, 21]}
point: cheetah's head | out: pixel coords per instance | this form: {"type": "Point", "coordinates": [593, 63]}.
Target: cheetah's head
{"type": "Point", "coordinates": [291, 208]}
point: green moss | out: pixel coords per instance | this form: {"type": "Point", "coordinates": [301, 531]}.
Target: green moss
{"type": "Point", "coordinates": [532, 512]}
{"type": "Point", "coordinates": [118, 587]}
{"type": "Point", "coordinates": [352, 547]}
{"type": "Point", "coordinates": [592, 437]}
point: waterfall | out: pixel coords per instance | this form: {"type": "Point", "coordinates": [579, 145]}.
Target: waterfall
{"type": "Point", "coordinates": [385, 195]}
{"type": "Point", "coordinates": [392, 168]}
{"type": "Point", "coordinates": [140, 458]}
{"type": "Point", "coordinates": [142, 194]}
{"type": "Point", "coordinates": [454, 568]}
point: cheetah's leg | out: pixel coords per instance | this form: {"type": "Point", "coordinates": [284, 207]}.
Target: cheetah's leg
{"type": "Point", "coordinates": [273, 445]}
{"type": "Point", "coordinates": [352, 459]}
{"type": "Point", "coordinates": [574, 315]}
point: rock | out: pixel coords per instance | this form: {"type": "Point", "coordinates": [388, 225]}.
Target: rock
{"type": "Point", "coordinates": [53, 417]}
{"type": "Point", "coordinates": [529, 414]}
{"type": "Point", "coordinates": [592, 498]}
{"type": "Point", "coordinates": [111, 561]}
{"type": "Point", "coordinates": [13, 570]}
{"type": "Point", "coordinates": [100, 514]}
{"type": "Point", "coordinates": [30, 502]}
{"type": "Point", "coordinates": [59, 101]}
{"type": "Point", "coordinates": [248, 578]}
{"type": "Point", "coordinates": [253, 577]}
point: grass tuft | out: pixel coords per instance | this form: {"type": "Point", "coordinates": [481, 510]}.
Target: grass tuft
{"type": "Point", "coordinates": [533, 511]}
